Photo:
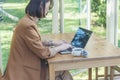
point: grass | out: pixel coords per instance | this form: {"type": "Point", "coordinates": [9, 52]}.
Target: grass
{"type": "Point", "coordinates": [5, 43]}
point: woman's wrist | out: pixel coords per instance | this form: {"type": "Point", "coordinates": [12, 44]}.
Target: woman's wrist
{"type": "Point", "coordinates": [53, 52]}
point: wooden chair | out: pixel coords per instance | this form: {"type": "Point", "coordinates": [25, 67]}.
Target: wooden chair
{"type": "Point", "coordinates": [97, 75]}
{"type": "Point", "coordinates": [105, 73]}
{"type": "Point", "coordinates": [112, 70]}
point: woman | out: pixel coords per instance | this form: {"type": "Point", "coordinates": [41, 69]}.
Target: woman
{"type": "Point", "coordinates": [28, 54]}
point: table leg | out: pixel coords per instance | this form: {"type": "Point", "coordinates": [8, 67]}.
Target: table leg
{"type": "Point", "coordinates": [106, 73]}
{"type": "Point", "coordinates": [111, 73]}
{"type": "Point", "coordinates": [90, 74]}
{"type": "Point", "coordinates": [51, 72]}
{"type": "Point", "coordinates": [96, 73]}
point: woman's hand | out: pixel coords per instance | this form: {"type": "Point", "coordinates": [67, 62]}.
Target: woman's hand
{"type": "Point", "coordinates": [54, 43]}
{"type": "Point", "coordinates": [59, 48]}
{"type": "Point", "coordinates": [58, 43]}
{"type": "Point", "coordinates": [63, 47]}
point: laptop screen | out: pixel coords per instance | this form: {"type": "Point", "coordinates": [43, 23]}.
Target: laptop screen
{"type": "Point", "coordinates": [81, 37]}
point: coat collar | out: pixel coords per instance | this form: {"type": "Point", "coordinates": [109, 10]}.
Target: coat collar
{"type": "Point", "coordinates": [35, 27]}
{"type": "Point", "coordinates": [32, 18]}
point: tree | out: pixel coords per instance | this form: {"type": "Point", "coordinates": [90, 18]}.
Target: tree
{"type": "Point", "coordinates": [99, 7]}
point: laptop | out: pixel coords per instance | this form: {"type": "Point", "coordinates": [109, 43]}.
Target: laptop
{"type": "Point", "coordinates": [79, 40]}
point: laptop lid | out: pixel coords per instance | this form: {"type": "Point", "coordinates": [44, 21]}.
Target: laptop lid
{"type": "Point", "coordinates": [81, 37]}
{"type": "Point", "coordinates": [79, 40]}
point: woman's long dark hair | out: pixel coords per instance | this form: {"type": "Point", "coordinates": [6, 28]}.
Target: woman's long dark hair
{"type": "Point", "coordinates": [36, 8]}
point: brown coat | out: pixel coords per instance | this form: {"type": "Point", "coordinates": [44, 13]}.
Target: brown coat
{"type": "Point", "coordinates": [27, 53]}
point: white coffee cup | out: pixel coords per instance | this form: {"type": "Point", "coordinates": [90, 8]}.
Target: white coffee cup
{"type": "Point", "coordinates": [76, 51]}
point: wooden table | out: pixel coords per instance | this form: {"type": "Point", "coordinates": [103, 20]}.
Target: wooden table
{"type": "Point", "coordinates": [101, 54]}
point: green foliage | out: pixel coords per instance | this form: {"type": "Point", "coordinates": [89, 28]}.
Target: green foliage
{"type": "Point", "coordinates": [15, 1]}
{"type": "Point", "coordinates": [99, 7]}
{"type": "Point", "coordinates": [95, 4]}
{"type": "Point", "coordinates": [70, 1]}
{"type": "Point", "coordinates": [6, 36]}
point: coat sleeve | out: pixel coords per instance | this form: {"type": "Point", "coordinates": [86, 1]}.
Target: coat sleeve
{"type": "Point", "coordinates": [34, 43]}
